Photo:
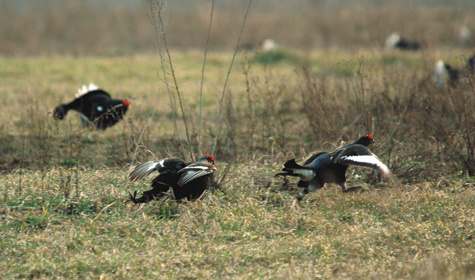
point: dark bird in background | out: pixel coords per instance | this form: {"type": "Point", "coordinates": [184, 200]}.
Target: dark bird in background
{"type": "Point", "coordinates": [95, 106]}
{"type": "Point", "coordinates": [187, 180]}
{"type": "Point", "coordinates": [471, 64]}
{"type": "Point", "coordinates": [394, 41]}
{"type": "Point", "coordinates": [446, 74]}
{"type": "Point", "coordinates": [325, 167]}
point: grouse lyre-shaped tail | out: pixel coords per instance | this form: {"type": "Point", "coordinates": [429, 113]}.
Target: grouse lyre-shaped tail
{"type": "Point", "coordinates": [95, 107]}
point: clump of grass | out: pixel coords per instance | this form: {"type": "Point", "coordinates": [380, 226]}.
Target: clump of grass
{"type": "Point", "coordinates": [276, 56]}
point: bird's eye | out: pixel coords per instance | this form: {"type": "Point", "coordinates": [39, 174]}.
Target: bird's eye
{"type": "Point", "coordinates": [99, 108]}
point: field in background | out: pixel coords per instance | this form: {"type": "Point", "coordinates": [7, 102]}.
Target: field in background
{"type": "Point", "coordinates": [63, 188]}
{"type": "Point", "coordinates": [124, 27]}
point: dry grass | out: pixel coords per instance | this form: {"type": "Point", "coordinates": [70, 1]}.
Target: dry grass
{"type": "Point", "coordinates": [256, 230]}
{"type": "Point", "coordinates": [64, 212]}
{"type": "Point", "coordinates": [118, 28]}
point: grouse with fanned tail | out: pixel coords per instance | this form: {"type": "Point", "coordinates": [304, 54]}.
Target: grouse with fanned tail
{"type": "Point", "coordinates": [331, 167]}
{"type": "Point", "coordinates": [187, 180]}
{"type": "Point", "coordinates": [95, 106]}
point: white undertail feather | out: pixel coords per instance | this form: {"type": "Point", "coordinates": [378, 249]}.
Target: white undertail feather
{"type": "Point", "coordinates": [85, 89]}
{"type": "Point", "coordinates": [440, 74]}
{"type": "Point", "coordinates": [392, 40]}
{"type": "Point", "coordinates": [304, 174]}
{"type": "Point", "coordinates": [269, 45]}
{"type": "Point", "coordinates": [371, 160]}
{"type": "Point", "coordinates": [143, 170]}
{"type": "Point", "coordinates": [161, 163]}
{"type": "Point", "coordinates": [464, 34]}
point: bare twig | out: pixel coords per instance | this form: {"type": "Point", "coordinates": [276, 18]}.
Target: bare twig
{"type": "Point", "coordinates": [203, 75]}
{"type": "Point", "coordinates": [219, 185]}
{"type": "Point", "coordinates": [156, 9]}
{"type": "Point", "coordinates": [137, 143]}
{"type": "Point", "coordinates": [227, 76]}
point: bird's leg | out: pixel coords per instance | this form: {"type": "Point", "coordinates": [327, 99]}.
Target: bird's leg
{"type": "Point", "coordinates": [343, 187]}
{"type": "Point", "coordinates": [286, 182]}
{"type": "Point", "coordinates": [132, 197]}
{"type": "Point", "coordinates": [302, 194]}
{"type": "Point", "coordinates": [376, 175]}
{"type": "Point", "coordinates": [146, 196]}
{"type": "Point", "coordinates": [310, 187]}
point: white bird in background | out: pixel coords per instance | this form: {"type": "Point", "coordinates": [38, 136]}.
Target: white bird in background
{"type": "Point", "coordinates": [464, 34]}
{"type": "Point", "coordinates": [269, 44]}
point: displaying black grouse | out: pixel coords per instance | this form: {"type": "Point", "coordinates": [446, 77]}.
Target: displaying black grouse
{"type": "Point", "coordinates": [187, 180]}
{"type": "Point", "coordinates": [331, 167]}
{"type": "Point", "coordinates": [95, 106]}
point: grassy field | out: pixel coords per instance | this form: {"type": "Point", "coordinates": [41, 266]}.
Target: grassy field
{"type": "Point", "coordinates": [64, 189]}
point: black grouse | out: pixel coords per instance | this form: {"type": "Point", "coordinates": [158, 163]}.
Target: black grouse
{"type": "Point", "coordinates": [444, 72]}
{"type": "Point", "coordinates": [394, 41]}
{"type": "Point", "coordinates": [95, 106]}
{"type": "Point", "coordinates": [471, 64]}
{"type": "Point", "coordinates": [331, 167]}
{"type": "Point", "coordinates": [187, 180]}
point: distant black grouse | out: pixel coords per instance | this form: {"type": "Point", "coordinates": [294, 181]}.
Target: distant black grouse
{"type": "Point", "coordinates": [327, 167]}
{"type": "Point", "coordinates": [394, 41]}
{"type": "Point", "coordinates": [95, 106]}
{"type": "Point", "coordinates": [445, 73]}
{"type": "Point", "coordinates": [187, 180]}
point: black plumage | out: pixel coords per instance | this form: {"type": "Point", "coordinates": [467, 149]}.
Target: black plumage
{"type": "Point", "coordinates": [325, 167]}
{"type": "Point", "coordinates": [471, 64]}
{"type": "Point", "coordinates": [187, 180]}
{"type": "Point", "coordinates": [95, 106]}
{"type": "Point", "coordinates": [394, 41]}
{"type": "Point", "coordinates": [454, 74]}
{"type": "Point", "coordinates": [404, 44]}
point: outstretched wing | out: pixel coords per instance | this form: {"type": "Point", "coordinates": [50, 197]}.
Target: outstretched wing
{"type": "Point", "coordinates": [359, 155]}
{"type": "Point", "coordinates": [193, 172]}
{"type": "Point", "coordinates": [165, 166]}
{"type": "Point", "coordinates": [143, 170]}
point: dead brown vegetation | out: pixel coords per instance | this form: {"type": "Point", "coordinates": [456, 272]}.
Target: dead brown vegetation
{"type": "Point", "coordinates": [82, 27]}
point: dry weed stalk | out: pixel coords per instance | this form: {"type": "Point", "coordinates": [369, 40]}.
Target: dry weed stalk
{"type": "Point", "coordinates": [227, 75]}
{"type": "Point", "coordinates": [203, 75]}
{"type": "Point", "coordinates": [251, 112]}
{"type": "Point", "coordinates": [156, 8]}
{"type": "Point", "coordinates": [316, 105]}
